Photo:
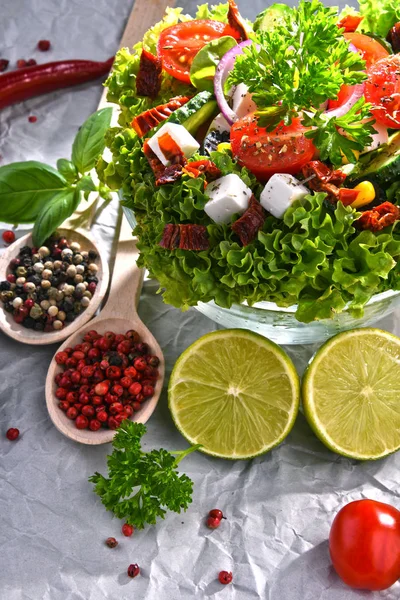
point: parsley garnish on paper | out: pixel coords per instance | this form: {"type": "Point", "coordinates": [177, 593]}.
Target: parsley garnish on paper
{"type": "Point", "coordinates": [142, 485]}
{"type": "Point", "coordinates": [298, 66]}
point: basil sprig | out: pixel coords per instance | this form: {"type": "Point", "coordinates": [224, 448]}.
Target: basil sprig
{"type": "Point", "coordinates": [35, 192]}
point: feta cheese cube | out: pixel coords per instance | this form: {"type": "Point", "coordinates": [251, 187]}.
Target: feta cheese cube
{"type": "Point", "coordinates": [280, 192]}
{"type": "Point", "coordinates": [242, 102]}
{"type": "Point", "coordinates": [219, 124]}
{"type": "Point", "coordinates": [181, 137]}
{"type": "Point", "coordinates": [228, 195]}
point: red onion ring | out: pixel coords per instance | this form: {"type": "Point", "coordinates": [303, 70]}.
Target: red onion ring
{"type": "Point", "coordinates": [225, 66]}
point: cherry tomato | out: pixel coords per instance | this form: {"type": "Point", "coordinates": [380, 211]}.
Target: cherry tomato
{"type": "Point", "coordinates": [179, 44]}
{"type": "Point", "coordinates": [382, 89]}
{"type": "Point", "coordinates": [364, 545]}
{"type": "Point", "coordinates": [283, 150]}
{"type": "Point", "coordinates": [370, 49]}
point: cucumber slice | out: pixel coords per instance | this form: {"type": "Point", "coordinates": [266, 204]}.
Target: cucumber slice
{"type": "Point", "coordinates": [384, 165]}
{"type": "Point", "coordinates": [272, 16]}
{"type": "Point", "coordinates": [182, 114]}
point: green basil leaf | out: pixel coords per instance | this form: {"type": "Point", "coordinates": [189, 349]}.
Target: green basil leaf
{"type": "Point", "coordinates": [89, 142]}
{"type": "Point", "coordinates": [206, 60]}
{"type": "Point", "coordinates": [86, 184]}
{"type": "Point", "coordinates": [25, 188]}
{"type": "Point", "coordinates": [67, 170]}
{"type": "Point", "coordinates": [54, 213]}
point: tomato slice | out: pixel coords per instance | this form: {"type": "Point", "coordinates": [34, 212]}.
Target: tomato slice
{"type": "Point", "coordinates": [343, 95]}
{"type": "Point", "coordinates": [370, 50]}
{"type": "Point", "coordinates": [179, 44]}
{"type": "Point", "coordinates": [283, 150]}
{"type": "Point", "coordinates": [382, 89]}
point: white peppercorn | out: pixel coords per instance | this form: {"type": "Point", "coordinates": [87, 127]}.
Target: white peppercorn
{"type": "Point", "coordinates": [78, 259]}
{"type": "Point", "coordinates": [53, 311]}
{"type": "Point", "coordinates": [75, 246]}
{"type": "Point", "coordinates": [66, 252]}
{"type": "Point", "coordinates": [93, 267]}
{"type": "Point", "coordinates": [88, 294]}
{"type": "Point", "coordinates": [38, 267]}
{"type": "Point", "coordinates": [85, 255]}
{"type": "Point", "coordinates": [58, 325]}
{"type": "Point", "coordinates": [29, 287]}
{"type": "Point", "coordinates": [69, 290]}
{"type": "Point", "coordinates": [20, 281]}
{"type": "Point", "coordinates": [57, 264]}
{"type": "Point", "coordinates": [49, 265]}
{"type": "Point", "coordinates": [53, 302]}
{"type": "Point", "coordinates": [45, 284]}
{"type": "Point", "coordinates": [44, 251]}
{"type": "Point", "coordinates": [78, 278]}
{"type": "Point", "coordinates": [85, 301]}
{"type": "Point", "coordinates": [80, 269]}
{"type": "Point", "coordinates": [17, 302]}
{"type": "Point", "coordinates": [45, 304]}
{"type": "Point", "coordinates": [80, 289]}
{"type": "Point", "coordinates": [47, 274]}
{"type": "Point", "coordinates": [59, 296]}
{"type": "Point", "coordinates": [61, 315]}
{"type": "Point", "coordinates": [71, 271]}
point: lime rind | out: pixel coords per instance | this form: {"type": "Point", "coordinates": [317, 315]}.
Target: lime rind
{"type": "Point", "coordinates": [255, 411]}
{"type": "Point", "coordinates": [372, 419]}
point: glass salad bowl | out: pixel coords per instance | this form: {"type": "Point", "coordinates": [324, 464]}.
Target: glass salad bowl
{"type": "Point", "coordinates": [280, 324]}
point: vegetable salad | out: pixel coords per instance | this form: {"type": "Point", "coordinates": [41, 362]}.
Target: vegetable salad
{"type": "Point", "coordinates": [262, 160]}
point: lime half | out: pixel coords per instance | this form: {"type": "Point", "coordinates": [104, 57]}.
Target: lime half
{"type": "Point", "coordinates": [351, 393]}
{"type": "Point", "coordinates": [235, 393]}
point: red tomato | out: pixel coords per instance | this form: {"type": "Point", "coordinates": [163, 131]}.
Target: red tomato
{"type": "Point", "coordinates": [370, 49]}
{"type": "Point", "coordinates": [350, 23]}
{"type": "Point", "coordinates": [283, 150]}
{"type": "Point", "coordinates": [382, 89]}
{"type": "Point", "coordinates": [179, 44]}
{"type": "Point", "coordinates": [364, 544]}
{"type": "Point", "coordinates": [343, 95]}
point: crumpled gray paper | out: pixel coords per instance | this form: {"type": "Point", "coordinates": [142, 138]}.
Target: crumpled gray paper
{"type": "Point", "coordinates": [279, 507]}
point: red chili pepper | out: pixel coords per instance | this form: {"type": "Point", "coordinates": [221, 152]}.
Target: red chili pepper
{"type": "Point", "coordinates": [25, 83]}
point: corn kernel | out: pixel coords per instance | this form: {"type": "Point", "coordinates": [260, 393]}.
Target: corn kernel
{"type": "Point", "coordinates": [366, 193]}
{"type": "Point", "coordinates": [345, 161]}
{"type": "Point", "coordinates": [223, 147]}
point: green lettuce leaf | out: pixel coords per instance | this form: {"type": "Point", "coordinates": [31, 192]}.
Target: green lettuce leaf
{"type": "Point", "coordinates": [379, 15]}
{"type": "Point", "coordinates": [314, 257]}
{"type": "Point", "coordinates": [121, 83]}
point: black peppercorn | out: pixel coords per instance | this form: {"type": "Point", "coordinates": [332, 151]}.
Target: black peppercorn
{"type": "Point", "coordinates": [92, 255]}
{"type": "Point", "coordinates": [70, 317]}
{"type": "Point", "coordinates": [29, 323]}
{"type": "Point", "coordinates": [9, 308]}
{"type": "Point", "coordinates": [34, 279]}
{"type": "Point", "coordinates": [5, 286]}
{"type": "Point", "coordinates": [25, 251]}
{"type": "Point", "coordinates": [63, 277]}
{"type": "Point", "coordinates": [26, 261]}
{"type": "Point", "coordinates": [39, 326]}
{"type": "Point", "coordinates": [19, 290]}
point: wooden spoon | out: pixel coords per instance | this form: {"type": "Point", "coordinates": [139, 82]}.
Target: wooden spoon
{"type": "Point", "coordinates": [119, 315]}
{"type": "Point", "coordinates": [75, 230]}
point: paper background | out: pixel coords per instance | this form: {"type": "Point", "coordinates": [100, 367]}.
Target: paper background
{"type": "Point", "coordinates": [52, 526]}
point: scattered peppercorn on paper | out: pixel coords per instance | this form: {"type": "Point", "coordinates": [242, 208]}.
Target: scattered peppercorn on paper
{"type": "Point", "coordinates": [278, 507]}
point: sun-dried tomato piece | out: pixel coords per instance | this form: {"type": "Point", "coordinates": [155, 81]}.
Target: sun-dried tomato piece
{"type": "Point", "coordinates": [170, 174]}
{"type": "Point", "coordinates": [235, 20]}
{"type": "Point", "coordinates": [185, 237]}
{"type": "Point", "coordinates": [203, 167]}
{"type": "Point", "coordinates": [154, 162]}
{"type": "Point", "coordinates": [193, 237]}
{"type": "Point", "coordinates": [148, 119]}
{"type": "Point", "coordinates": [379, 217]}
{"type": "Point", "coordinates": [321, 178]}
{"type": "Point", "coordinates": [171, 150]}
{"type": "Point", "coordinates": [148, 79]}
{"type": "Point", "coordinates": [248, 225]}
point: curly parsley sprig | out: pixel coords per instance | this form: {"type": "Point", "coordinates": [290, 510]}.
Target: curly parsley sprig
{"type": "Point", "coordinates": [338, 136]}
{"type": "Point", "coordinates": [142, 485]}
{"type": "Point", "coordinates": [298, 65]}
